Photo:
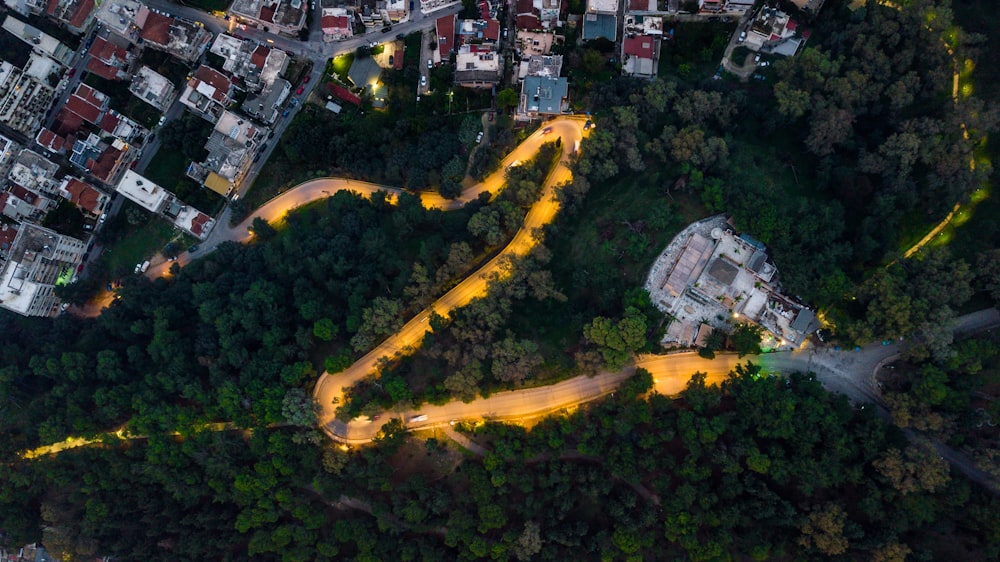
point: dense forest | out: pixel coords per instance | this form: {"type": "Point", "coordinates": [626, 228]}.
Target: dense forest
{"type": "Point", "coordinates": [762, 468]}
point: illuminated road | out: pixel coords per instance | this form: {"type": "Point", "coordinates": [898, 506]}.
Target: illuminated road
{"type": "Point", "coordinates": [329, 387]}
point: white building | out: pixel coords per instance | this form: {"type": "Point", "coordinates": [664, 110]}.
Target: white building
{"type": "Point", "coordinates": [153, 88]}
{"type": "Point", "coordinates": [143, 192]}
{"type": "Point", "coordinates": [23, 99]}
{"type": "Point", "coordinates": [38, 261]}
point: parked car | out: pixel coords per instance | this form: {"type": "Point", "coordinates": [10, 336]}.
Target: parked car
{"type": "Point", "coordinates": [284, 113]}
{"type": "Point", "coordinates": [110, 288]}
{"type": "Point", "coordinates": [420, 418]}
{"type": "Point", "coordinates": [430, 63]}
{"type": "Point", "coordinates": [765, 64]}
{"type": "Point", "coordinates": [423, 80]}
{"type": "Point", "coordinates": [743, 36]}
{"type": "Point", "coordinates": [479, 137]}
{"type": "Point", "coordinates": [391, 60]}
{"type": "Point", "coordinates": [756, 58]}
{"type": "Point", "coordinates": [256, 158]}
{"type": "Point", "coordinates": [72, 71]}
{"type": "Point", "coordinates": [402, 36]}
{"type": "Point", "coordinates": [193, 249]}
{"type": "Point", "coordinates": [546, 130]}
{"type": "Point", "coordinates": [300, 90]}
{"type": "Point", "coordinates": [387, 29]}
{"type": "Point", "coordinates": [491, 116]}
{"type": "Point", "coordinates": [104, 217]}
{"type": "Point", "coordinates": [307, 79]}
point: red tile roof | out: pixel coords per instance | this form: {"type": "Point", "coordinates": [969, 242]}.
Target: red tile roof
{"type": "Point", "coordinates": [397, 60]}
{"type": "Point", "coordinates": [198, 224]}
{"type": "Point", "coordinates": [343, 93]}
{"type": "Point", "coordinates": [79, 106]}
{"type": "Point", "coordinates": [528, 22]}
{"type": "Point", "coordinates": [83, 9]}
{"type": "Point", "coordinates": [23, 194]}
{"type": "Point", "coordinates": [157, 28]}
{"type": "Point", "coordinates": [267, 13]}
{"type": "Point", "coordinates": [484, 9]}
{"type": "Point", "coordinates": [215, 79]}
{"type": "Point", "coordinates": [67, 123]}
{"type": "Point", "coordinates": [105, 71]}
{"type": "Point", "coordinates": [90, 95]}
{"type": "Point", "coordinates": [84, 195]}
{"type": "Point", "coordinates": [259, 56]}
{"type": "Point", "coordinates": [50, 8]}
{"type": "Point", "coordinates": [446, 34]}
{"type": "Point", "coordinates": [109, 122]}
{"type": "Point", "coordinates": [50, 140]}
{"type": "Point", "coordinates": [7, 232]}
{"type": "Point", "coordinates": [492, 30]}
{"type": "Point", "coordinates": [638, 5]}
{"type": "Point", "coordinates": [3, 204]}
{"type": "Point", "coordinates": [791, 25]}
{"type": "Point", "coordinates": [525, 7]}
{"type": "Point", "coordinates": [107, 51]}
{"type": "Point", "coordinates": [105, 163]}
{"type": "Point", "coordinates": [641, 46]}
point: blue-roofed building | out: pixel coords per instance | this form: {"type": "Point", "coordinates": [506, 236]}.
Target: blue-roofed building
{"type": "Point", "coordinates": [601, 20]}
{"type": "Point", "coordinates": [542, 96]}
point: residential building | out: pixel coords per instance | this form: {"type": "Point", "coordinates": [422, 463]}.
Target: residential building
{"type": "Point", "coordinates": [180, 38]}
{"type": "Point", "coordinates": [153, 88]}
{"type": "Point", "coordinates": [740, 6]}
{"type": "Point", "coordinates": [23, 205]}
{"type": "Point", "coordinates": [40, 42]}
{"type": "Point", "coordinates": [121, 127]}
{"type": "Point", "coordinates": [256, 65]}
{"type": "Point", "coordinates": [643, 25]}
{"type": "Point", "coordinates": [392, 11]}
{"type": "Point", "coordinates": [641, 6]}
{"type": "Point", "coordinates": [86, 197]}
{"type": "Point", "coordinates": [640, 54]}
{"type": "Point", "coordinates": [445, 29]}
{"type": "Point", "coordinates": [110, 60]}
{"type": "Point", "coordinates": [477, 66]}
{"type": "Point", "coordinates": [278, 16]}
{"type": "Point", "coordinates": [34, 172]}
{"type": "Point", "coordinates": [530, 43]}
{"type": "Point", "coordinates": [231, 147]}
{"type": "Point", "coordinates": [88, 103]}
{"type": "Point", "coordinates": [39, 260]}
{"type": "Point", "coordinates": [711, 6]}
{"type": "Point", "coordinates": [540, 65]}
{"type": "Point", "coordinates": [337, 24]}
{"type": "Point", "coordinates": [120, 16]}
{"type": "Point", "coordinates": [600, 20]}
{"type": "Point", "coordinates": [7, 234]}
{"type": "Point", "coordinates": [478, 32]}
{"type": "Point", "coordinates": [143, 192]}
{"type": "Point", "coordinates": [155, 199]}
{"type": "Point", "coordinates": [542, 96]}
{"type": "Point", "coordinates": [532, 15]}
{"type": "Point", "coordinates": [265, 105]}
{"type": "Point", "coordinates": [207, 93]}
{"type": "Point", "coordinates": [8, 153]}
{"type": "Point", "coordinates": [75, 15]}
{"type": "Point", "coordinates": [106, 161]}
{"type": "Point", "coordinates": [24, 99]}
{"type": "Point", "coordinates": [769, 29]}
{"type": "Point", "coordinates": [51, 141]}
{"type": "Point", "coordinates": [808, 6]}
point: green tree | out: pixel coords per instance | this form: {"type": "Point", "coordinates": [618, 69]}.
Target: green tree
{"type": "Point", "coordinates": [746, 339]}
{"type": "Point", "coordinates": [507, 99]}
{"type": "Point", "coordinates": [618, 340]}
{"type": "Point", "coordinates": [325, 329]}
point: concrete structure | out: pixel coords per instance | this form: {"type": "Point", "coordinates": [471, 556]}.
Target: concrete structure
{"type": "Point", "coordinates": [155, 199]}
{"type": "Point", "coordinates": [529, 43]}
{"type": "Point", "coordinates": [50, 141]}
{"type": "Point", "coordinates": [542, 96]}
{"type": "Point", "coordinates": [769, 29]}
{"type": "Point", "coordinates": [478, 32]}
{"type": "Point", "coordinates": [23, 205]}
{"type": "Point", "coordinates": [477, 66]}
{"type": "Point", "coordinates": [266, 104]}
{"type": "Point", "coordinates": [38, 261]}
{"type": "Point", "coordinates": [120, 17]}
{"type": "Point", "coordinates": [34, 172]}
{"type": "Point", "coordinates": [640, 54]}
{"type": "Point", "coordinates": [256, 65]}
{"type": "Point", "coordinates": [180, 38]}
{"type": "Point", "coordinates": [121, 127]}
{"type": "Point", "coordinates": [278, 16]}
{"type": "Point", "coordinates": [143, 192]}
{"type": "Point", "coordinates": [40, 42]}
{"type": "Point", "coordinates": [711, 275]}
{"type": "Point", "coordinates": [110, 60]}
{"type": "Point", "coordinates": [8, 153]}
{"type": "Point", "coordinates": [600, 20]}
{"type": "Point", "coordinates": [231, 147]}
{"type": "Point", "coordinates": [540, 65]}
{"type": "Point", "coordinates": [23, 98]}
{"type": "Point", "coordinates": [337, 24]}
{"type": "Point", "coordinates": [643, 25]}
{"type": "Point", "coordinates": [86, 197]}
{"type": "Point", "coordinates": [152, 88]}
{"type": "Point", "coordinates": [207, 93]}
{"type": "Point", "coordinates": [534, 15]}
